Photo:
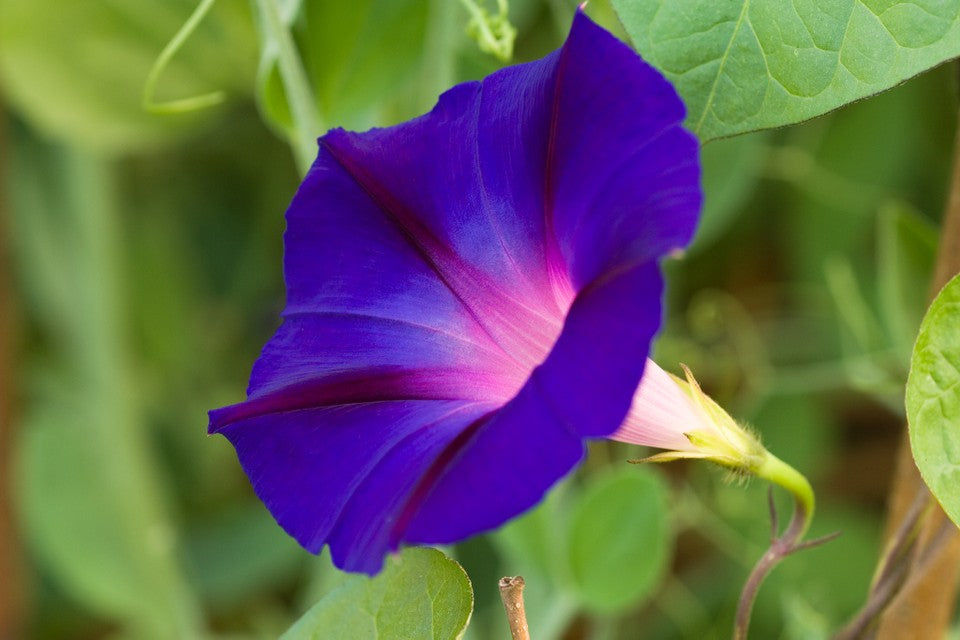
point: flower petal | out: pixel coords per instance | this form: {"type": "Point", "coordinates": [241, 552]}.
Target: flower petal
{"type": "Point", "coordinates": [359, 296]}
{"type": "Point", "coordinates": [583, 389]}
{"type": "Point", "coordinates": [343, 474]}
{"type": "Point", "coordinates": [623, 178]}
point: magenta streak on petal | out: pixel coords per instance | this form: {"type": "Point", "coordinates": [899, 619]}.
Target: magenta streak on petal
{"type": "Point", "coordinates": [524, 334]}
{"type": "Point", "coordinates": [559, 307]}
{"type": "Point", "coordinates": [482, 344]}
{"type": "Point", "coordinates": [413, 497]}
{"type": "Point", "coordinates": [430, 477]}
{"type": "Point", "coordinates": [364, 387]}
{"type": "Point", "coordinates": [556, 266]}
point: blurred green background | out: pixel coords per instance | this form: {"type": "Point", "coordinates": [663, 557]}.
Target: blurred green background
{"type": "Point", "coordinates": [140, 272]}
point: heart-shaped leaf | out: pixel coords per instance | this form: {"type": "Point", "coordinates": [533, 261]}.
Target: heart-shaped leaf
{"type": "Point", "coordinates": [419, 594]}
{"type": "Point", "coordinates": [933, 399]}
{"type": "Point", "coordinates": [742, 65]}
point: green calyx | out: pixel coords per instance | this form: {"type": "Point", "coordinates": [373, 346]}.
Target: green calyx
{"type": "Point", "coordinates": [729, 444]}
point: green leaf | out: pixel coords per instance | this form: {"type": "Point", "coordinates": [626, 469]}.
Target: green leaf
{"type": "Point", "coordinates": [419, 594]}
{"type": "Point", "coordinates": [77, 70]}
{"type": "Point", "coordinates": [619, 539]}
{"type": "Point", "coordinates": [906, 250]}
{"type": "Point", "coordinates": [743, 65]}
{"type": "Point", "coordinates": [933, 399]}
{"type": "Point", "coordinates": [377, 46]}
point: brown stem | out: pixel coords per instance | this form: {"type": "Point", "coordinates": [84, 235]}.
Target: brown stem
{"type": "Point", "coordinates": [904, 542]}
{"type": "Point", "coordinates": [10, 587]}
{"type": "Point", "coordinates": [922, 609]}
{"type": "Point", "coordinates": [863, 627]}
{"type": "Point", "coordinates": [892, 572]}
{"type": "Point", "coordinates": [511, 593]}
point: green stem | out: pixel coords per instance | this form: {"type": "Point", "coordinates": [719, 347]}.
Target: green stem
{"type": "Point", "coordinates": [780, 473]}
{"type": "Point", "coordinates": [307, 123]}
{"type": "Point", "coordinates": [777, 471]}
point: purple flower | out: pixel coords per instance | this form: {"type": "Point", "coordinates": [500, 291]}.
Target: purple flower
{"type": "Point", "coordinates": [470, 295]}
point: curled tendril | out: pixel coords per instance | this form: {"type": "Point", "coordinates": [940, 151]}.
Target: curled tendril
{"type": "Point", "coordinates": [180, 105]}
{"type": "Point", "coordinates": [493, 32]}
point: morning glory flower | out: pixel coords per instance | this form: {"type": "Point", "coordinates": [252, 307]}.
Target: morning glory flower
{"type": "Point", "coordinates": [470, 295]}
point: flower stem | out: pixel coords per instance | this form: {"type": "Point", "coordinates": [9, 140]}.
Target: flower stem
{"type": "Point", "coordinates": [511, 593]}
{"type": "Point", "coordinates": [778, 472]}
{"type": "Point", "coordinates": [924, 605]}
{"type": "Point", "coordinates": [893, 570]}
{"type": "Point", "coordinates": [307, 124]}
{"type": "Point", "coordinates": [11, 587]}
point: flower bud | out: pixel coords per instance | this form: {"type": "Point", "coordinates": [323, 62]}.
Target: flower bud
{"type": "Point", "coordinates": [675, 414]}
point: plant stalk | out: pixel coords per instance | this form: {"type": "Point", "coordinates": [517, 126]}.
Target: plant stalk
{"type": "Point", "coordinates": [11, 587]}
{"type": "Point", "coordinates": [923, 608]}
{"type": "Point", "coordinates": [303, 107]}
{"type": "Point", "coordinates": [780, 548]}
{"type": "Point", "coordinates": [511, 593]}
{"type": "Point", "coordinates": [778, 472]}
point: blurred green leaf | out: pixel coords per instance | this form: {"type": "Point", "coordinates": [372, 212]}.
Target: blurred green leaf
{"type": "Point", "coordinates": [76, 70]}
{"type": "Point", "coordinates": [933, 399]}
{"type": "Point", "coordinates": [379, 47]}
{"type": "Point", "coordinates": [803, 621]}
{"type": "Point", "coordinates": [534, 546]}
{"type": "Point", "coordinates": [731, 169]}
{"type": "Point", "coordinates": [533, 542]}
{"type": "Point", "coordinates": [323, 578]}
{"type": "Point", "coordinates": [239, 553]}
{"type": "Point", "coordinates": [619, 539]}
{"type": "Point", "coordinates": [798, 429]}
{"type": "Point", "coordinates": [88, 487]}
{"type": "Point", "coordinates": [906, 250]}
{"type": "Point", "coordinates": [76, 510]}
{"type": "Point", "coordinates": [357, 56]}
{"type": "Point", "coordinates": [855, 314]}
{"type": "Point", "coordinates": [419, 594]}
{"type": "Point", "coordinates": [743, 65]}
{"type": "Point", "coordinates": [843, 186]}
{"type": "Point", "coordinates": [861, 333]}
